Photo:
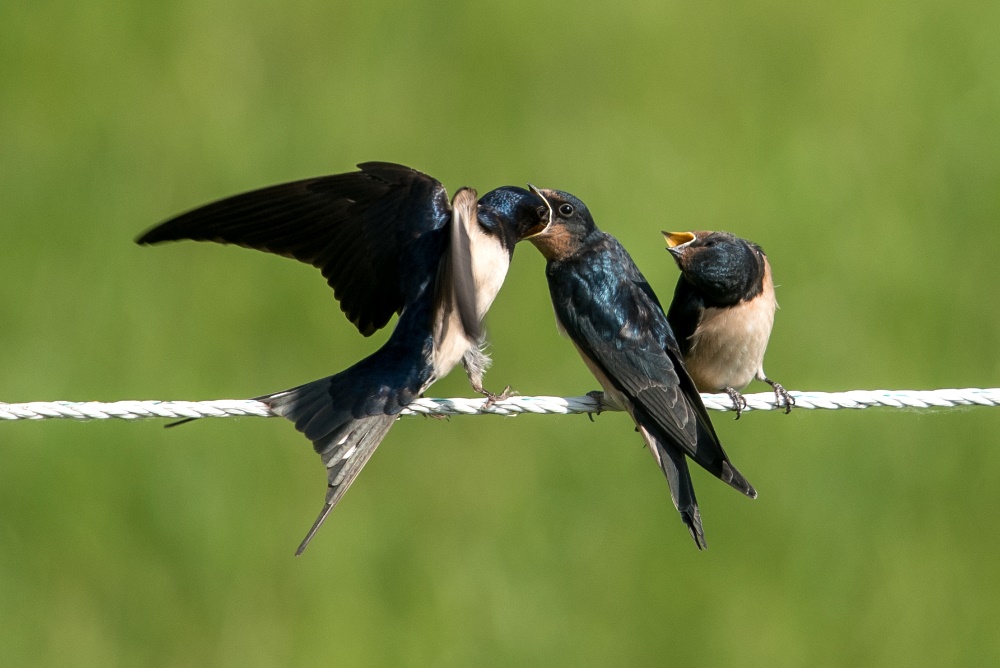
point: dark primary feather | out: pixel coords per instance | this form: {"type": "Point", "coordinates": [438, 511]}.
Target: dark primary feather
{"type": "Point", "coordinates": [605, 305]}
{"type": "Point", "coordinates": [375, 234]}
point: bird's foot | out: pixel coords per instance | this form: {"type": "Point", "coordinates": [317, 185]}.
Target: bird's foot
{"type": "Point", "coordinates": [492, 398]}
{"type": "Point", "coordinates": [597, 396]}
{"type": "Point", "coordinates": [781, 395]}
{"type": "Point", "coordinates": [739, 401]}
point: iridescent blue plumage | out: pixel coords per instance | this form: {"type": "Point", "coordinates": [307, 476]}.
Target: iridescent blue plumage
{"type": "Point", "coordinates": [607, 308]}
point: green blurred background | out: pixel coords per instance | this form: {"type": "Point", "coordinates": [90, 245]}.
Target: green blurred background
{"type": "Point", "coordinates": [858, 143]}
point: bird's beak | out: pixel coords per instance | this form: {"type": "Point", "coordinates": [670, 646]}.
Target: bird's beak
{"type": "Point", "coordinates": [677, 240]}
{"type": "Point", "coordinates": [543, 227]}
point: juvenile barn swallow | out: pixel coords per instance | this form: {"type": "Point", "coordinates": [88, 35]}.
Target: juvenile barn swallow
{"type": "Point", "coordinates": [606, 307]}
{"type": "Point", "coordinates": [387, 241]}
{"type": "Point", "coordinates": [722, 312]}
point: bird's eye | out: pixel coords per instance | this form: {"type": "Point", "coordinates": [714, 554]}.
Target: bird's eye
{"type": "Point", "coordinates": [566, 210]}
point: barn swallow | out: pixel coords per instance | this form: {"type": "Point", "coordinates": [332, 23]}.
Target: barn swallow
{"type": "Point", "coordinates": [388, 241]}
{"type": "Point", "coordinates": [607, 308]}
{"type": "Point", "coordinates": [722, 312]}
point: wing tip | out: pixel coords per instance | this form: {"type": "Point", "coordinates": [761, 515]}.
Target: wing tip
{"type": "Point", "coordinates": [167, 231]}
{"type": "Point", "coordinates": [147, 238]}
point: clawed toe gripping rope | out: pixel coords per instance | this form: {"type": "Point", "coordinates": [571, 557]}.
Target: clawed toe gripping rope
{"type": "Point", "coordinates": [764, 401]}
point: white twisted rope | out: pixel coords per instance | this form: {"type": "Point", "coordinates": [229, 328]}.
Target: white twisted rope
{"type": "Point", "coordinates": [764, 401]}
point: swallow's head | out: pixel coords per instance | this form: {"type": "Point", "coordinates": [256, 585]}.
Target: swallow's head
{"type": "Point", "coordinates": [513, 214]}
{"type": "Point", "coordinates": [723, 267]}
{"type": "Point", "coordinates": [569, 224]}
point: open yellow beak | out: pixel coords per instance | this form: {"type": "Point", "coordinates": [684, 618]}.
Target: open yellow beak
{"type": "Point", "coordinates": [675, 239]}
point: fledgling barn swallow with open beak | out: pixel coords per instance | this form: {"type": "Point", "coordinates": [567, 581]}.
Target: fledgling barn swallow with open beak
{"type": "Point", "coordinates": [723, 311]}
{"type": "Point", "coordinates": [388, 241]}
{"type": "Point", "coordinates": [606, 307]}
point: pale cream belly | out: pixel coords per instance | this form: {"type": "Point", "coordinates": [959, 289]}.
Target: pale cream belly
{"type": "Point", "coordinates": [728, 347]}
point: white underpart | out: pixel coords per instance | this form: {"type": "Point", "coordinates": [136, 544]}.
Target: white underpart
{"type": "Point", "coordinates": [490, 261]}
{"type": "Point", "coordinates": [727, 349]}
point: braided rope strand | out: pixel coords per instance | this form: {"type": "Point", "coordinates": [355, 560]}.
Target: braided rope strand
{"type": "Point", "coordinates": [764, 401]}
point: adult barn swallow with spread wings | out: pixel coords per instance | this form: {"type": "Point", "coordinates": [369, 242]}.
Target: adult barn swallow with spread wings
{"type": "Point", "coordinates": [723, 311]}
{"type": "Point", "coordinates": [606, 307]}
{"type": "Point", "coordinates": [388, 241]}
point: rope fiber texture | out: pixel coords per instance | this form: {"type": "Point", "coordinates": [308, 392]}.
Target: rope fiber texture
{"type": "Point", "coordinates": [764, 401]}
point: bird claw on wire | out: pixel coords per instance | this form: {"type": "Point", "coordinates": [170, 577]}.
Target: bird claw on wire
{"type": "Point", "coordinates": [781, 395]}
{"type": "Point", "coordinates": [492, 398]}
{"type": "Point", "coordinates": [604, 403]}
{"type": "Point", "coordinates": [739, 401]}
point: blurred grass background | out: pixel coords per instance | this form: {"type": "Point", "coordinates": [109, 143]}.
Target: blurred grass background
{"type": "Point", "coordinates": [856, 142]}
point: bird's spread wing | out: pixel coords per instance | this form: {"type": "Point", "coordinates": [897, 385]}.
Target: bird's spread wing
{"type": "Point", "coordinates": [375, 234]}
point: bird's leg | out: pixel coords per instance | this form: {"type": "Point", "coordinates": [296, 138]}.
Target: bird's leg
{"type": "Point", "coordinates": [597, 396]}
{"type": "Point", "coordinates": [605, 402]}
{"type": "Point", "coordinates": [780, 395]}
{"type": "Point", "coordinates": [493, 398]}
{"type": "Point", "coordinates": [475, 362]}
{"type": "Point", "coordinates": [739, 401]}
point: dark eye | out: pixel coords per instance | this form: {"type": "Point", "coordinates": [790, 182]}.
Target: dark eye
{"type": "Point", "coordinates": [566, 210]}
